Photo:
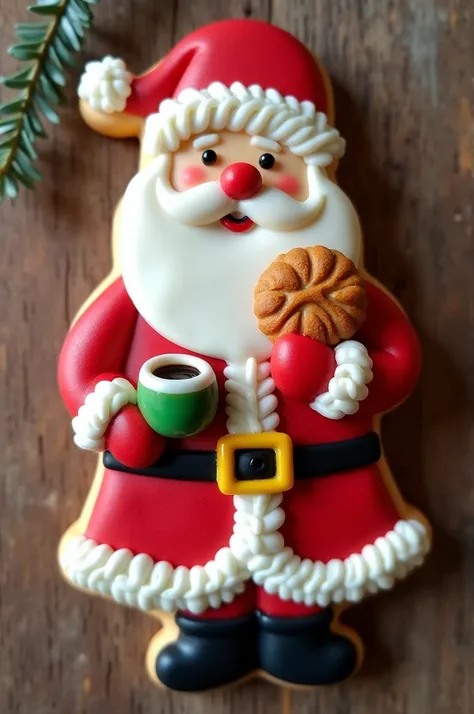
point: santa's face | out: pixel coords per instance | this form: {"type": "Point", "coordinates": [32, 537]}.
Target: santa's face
{"type": "Point", "coordinates": [243, 168]}
{"type": "Point", "coordinates": [200, 225]}
{"type": "Point", "coordinates": [241, 181]}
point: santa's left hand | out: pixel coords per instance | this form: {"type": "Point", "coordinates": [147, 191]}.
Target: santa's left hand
{"type": "Point", "coordinates": [301, 367]}
{"type": "Point", "coordinates": [348, 386]}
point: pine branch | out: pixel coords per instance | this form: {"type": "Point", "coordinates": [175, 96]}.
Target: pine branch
{"type": "Point", "coordinates": [47, 49]}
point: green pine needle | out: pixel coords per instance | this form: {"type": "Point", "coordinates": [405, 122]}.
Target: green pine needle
{"type": "Point", "coordinates": [47, 48]}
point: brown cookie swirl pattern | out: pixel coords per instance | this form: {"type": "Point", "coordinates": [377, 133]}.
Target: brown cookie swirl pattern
{"type": "Point", "coordinates": [316, 292]}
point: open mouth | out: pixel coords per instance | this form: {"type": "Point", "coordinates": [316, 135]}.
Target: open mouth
{"type": "Point", "coordinates": [236, 222]}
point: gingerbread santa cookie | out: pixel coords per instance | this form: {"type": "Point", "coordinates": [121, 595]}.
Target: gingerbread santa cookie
{"type": "Point", "coordinates": [241, 494]}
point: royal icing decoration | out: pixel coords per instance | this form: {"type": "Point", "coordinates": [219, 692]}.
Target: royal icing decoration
{"type": "Point", "coordinates": [98, 410]}
{"type": "Point", "coordinates": [258, 543]}
{"type": "Point", "coordinates": [348, 387]}
{"type": "Point", "coordinates": [251, 404]}
{"type": "Point", "coordinates": [254, 110]}
{"type": "Point", "coordinates": [256, 551]}
{"type": "Point", "coordinates": [106, 85]}
{"type": "Point", "coordinates": [136, 580]}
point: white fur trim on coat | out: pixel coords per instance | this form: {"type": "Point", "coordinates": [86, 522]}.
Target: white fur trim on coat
{"type": "Point", "coordinates": [250, 402]}
{"type": "Point", "coordinates": [256, 552]}
{"type": "Point", "coordinates": [99, 408]}
{"type": "Point", "coordinates": [348, 387]}
{"type": "Point", "coordinates": [139, 581]}
{"type": "Point", "coordinates": [258, 543]}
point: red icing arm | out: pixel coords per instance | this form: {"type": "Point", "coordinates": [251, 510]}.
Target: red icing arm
{"type": "Point", "coordinates": [394, 348]}
{"type": "Point", "coordinates": [97, 344]}
{"type": "Point", "coordinates": [95, 349]}
{"type": "Point", "coordinates": [301, 367]}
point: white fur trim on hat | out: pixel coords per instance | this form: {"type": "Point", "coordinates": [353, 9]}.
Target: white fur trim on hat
{"type": "Point", "coordinates": [105, 85]}
{"type": "Point", "coordinates": [251, 109]}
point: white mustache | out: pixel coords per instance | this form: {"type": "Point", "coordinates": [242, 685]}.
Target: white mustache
{"type": "Point", "coordinates": [276, 210]}
{"type": "Point", "coordinates": [207, 202]}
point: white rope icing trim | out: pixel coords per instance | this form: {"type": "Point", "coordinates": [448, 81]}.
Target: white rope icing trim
{"type": "Point", "coordinates": [256, 551]}
{"type": "Point", "coordinates": [251, 109]}
{"type": "Point", "coordinates": [348, 387]}
{"type": "Point", "coordinates": [105, 85]}
{"type": "Point", "coordinates": [250, 402]}
{"type": "Point", "coordinates": [258, 544]}
{"type": "Point", "coordinates": [99, 407]}
{"type": "Point", "coordinates": [139, 581]}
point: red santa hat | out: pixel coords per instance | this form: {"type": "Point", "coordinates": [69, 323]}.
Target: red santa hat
{"type": "Point", "coordinates": [242, 75]}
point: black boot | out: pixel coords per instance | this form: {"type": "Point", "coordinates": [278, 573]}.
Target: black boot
{"type": "Point", "coordinates": [208, 653]}
{"type": "Point", "coordinates": [303, 650]}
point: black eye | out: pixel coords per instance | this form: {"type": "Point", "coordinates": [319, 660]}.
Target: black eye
{"type": "Point", "coordinates": [267, 161]}
{"type": "Point", "coordinates": [209, 157]}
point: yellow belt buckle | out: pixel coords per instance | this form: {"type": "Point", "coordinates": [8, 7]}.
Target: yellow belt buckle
{"type": "Point", "coordinates": [226, 452]}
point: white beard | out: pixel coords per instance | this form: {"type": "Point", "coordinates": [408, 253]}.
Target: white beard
{"type": "Point", "coordinates": [194, 284]}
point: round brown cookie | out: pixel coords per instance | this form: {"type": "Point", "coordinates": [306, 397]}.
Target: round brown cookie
{"type": "Point", "coordinates": [316, 292]}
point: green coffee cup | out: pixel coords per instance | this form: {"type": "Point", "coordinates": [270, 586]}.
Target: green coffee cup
{"type": "Point", "coordinates": [177, 394]}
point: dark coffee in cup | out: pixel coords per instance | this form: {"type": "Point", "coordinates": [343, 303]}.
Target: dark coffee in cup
{"type": "Point", "coordinates": [177, 394]}
{"type": "Point", "coordinates": [172, 371]}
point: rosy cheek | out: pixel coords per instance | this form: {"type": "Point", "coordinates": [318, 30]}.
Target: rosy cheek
{"type": "Point", "coordinates": [192, 175]}
{"type": "Point", "coordinates": [289, 184]}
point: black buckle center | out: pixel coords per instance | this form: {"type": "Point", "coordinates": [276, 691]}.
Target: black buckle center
{"type": "Point", "coordinates": [253, 464]}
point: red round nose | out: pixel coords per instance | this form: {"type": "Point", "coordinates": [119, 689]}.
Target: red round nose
{"type": "Point", "coordinates": [240, 181]}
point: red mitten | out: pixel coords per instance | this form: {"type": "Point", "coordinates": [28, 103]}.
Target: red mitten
{"type": "Point", "coordinates": [132, 441]}
{"type": "Point", "coordinates": [301, 367]}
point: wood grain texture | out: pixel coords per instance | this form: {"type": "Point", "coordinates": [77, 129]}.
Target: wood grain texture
{"type": "Point", "coordinates": [403, 74]}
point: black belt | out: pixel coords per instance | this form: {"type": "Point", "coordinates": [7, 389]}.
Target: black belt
{"type": "Point", "coordinates": [308, 461]}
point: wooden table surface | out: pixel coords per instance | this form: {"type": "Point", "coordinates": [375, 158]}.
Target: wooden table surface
{"type": "Point", "coordinates": [403, 72]}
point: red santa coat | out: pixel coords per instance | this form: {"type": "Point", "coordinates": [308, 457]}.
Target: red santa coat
{"type": "Point", "coordinates": [184, 522]}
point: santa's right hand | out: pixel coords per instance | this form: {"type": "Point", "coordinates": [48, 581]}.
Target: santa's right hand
{"type": "Point", "coordinates": [132, 441]}
{"type": "Point", "coordinates": [301, 367]}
